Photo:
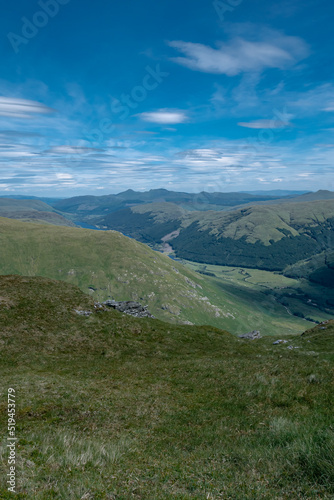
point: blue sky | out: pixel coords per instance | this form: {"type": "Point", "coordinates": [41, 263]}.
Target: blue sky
{"type": "Point", "coordinates": [98, 97]}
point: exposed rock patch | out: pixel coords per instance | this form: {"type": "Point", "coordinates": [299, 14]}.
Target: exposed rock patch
{"type": "Point", "coordinates": [83, 313]}
{"type": "Point", "coordinates": [129, 307]}
{"type": "Point", "coordinates": [255, 334]}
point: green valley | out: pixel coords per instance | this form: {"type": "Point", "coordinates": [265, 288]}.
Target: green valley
{"type": "Point", "coordinates": [263, 237]}
{"type": "Point", "coordinates": [107, 264]}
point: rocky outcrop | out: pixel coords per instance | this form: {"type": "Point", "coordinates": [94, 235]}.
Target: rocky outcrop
{"type": "Point", "coordinates": [129, 307]}
{"type": "Point", "coordinates": [126, 307]}
{"type": "Point", "coordinates": [255, 334]}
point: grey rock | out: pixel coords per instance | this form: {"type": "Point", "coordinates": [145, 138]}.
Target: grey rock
{"type": "Point", "coordinates": [129, 307]}
{"type": "Point", "coordinates": [83, 313]}
{"type": "Point", "coordinates": [280, 342]}
{"type": "Point", "coordinates": [255, 334]}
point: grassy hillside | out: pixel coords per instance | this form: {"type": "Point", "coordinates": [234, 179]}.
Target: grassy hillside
{"type": "Point", "coordinates": [319, 269]}
{"type": "Point", "coordinates": [8, 205]}
{"type": "Point", "coordinates": [32, 210]}
{"type": "Point", "coordinates": [264, 237]}
{"type": "Point", "coordinates": [107, 264]}
{"type": "Point", "coordinates": [38, 217]}
{"type": "Point", "coordinates": [109, 406]}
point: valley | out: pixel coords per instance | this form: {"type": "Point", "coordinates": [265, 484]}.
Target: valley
{"type": "Point", "coordinates": [106, 264]}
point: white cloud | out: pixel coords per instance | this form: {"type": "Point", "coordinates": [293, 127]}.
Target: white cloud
{"type": "Point", "coordinates": [267, 124]}
{"type": "Point", "coordinates": [21, 108]}
{"type": "Point", "coordinates": [164, 116]}
{"type": "Point", "coordinates": [239, 55]}
{"type": "Point", "coordinates": [312, 101]}
{"type": "Point", "coordinates": [72, 150]}
{"type": "Point", "coordinates": [61, 175]}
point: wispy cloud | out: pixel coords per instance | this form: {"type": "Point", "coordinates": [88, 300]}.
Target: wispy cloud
{"type": "Point", "coordinates": [16, 134]}
{"type": "Point", "coordinates": [21, 108]}
{"type": "Point", "coordinates": [164, 116]}
{"type": "Point", "coordinates": [72, 150]}
{"type": "Point", "coordinates": [330, 107]}
{"type": "Point", "coordinates": [212, 165]}
{"type": "Point", "coordinates": [265, 124]}
{"type": "Point", "coordinates": [240, 55]}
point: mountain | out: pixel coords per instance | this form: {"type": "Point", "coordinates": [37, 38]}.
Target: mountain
{"type": "Point", "coordinates": [321, 195]}
{"type": "Point", "coordinates": [47, 200]}
{"type": "Point", "coordinates": [106, 264]}
{"type": "Point", "coordinates": [32, 210]}
{"type": "Point", "coordinates": [110, 406]}
{"type": "Point", "coordinates": [27, 204]}
{"type": "Point", "coordinates": [83, 207]}
{"type": "Point", "coordinates": [277, 192]}
{"type": "Point", "coordinates": [263, 237]}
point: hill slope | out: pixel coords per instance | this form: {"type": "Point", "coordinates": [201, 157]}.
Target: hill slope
{"type": "Point", "coordinates": [8, 205]}
{"type": "Point", "coordinates": [32, 210]}
{"type": "Point", "coordinates": [319, 269]}
{"type": "Point", "coordinates": [264, 237]}
{"type": "Point", "coordinates": [109, 406]}
{"type": "Point", "coordinates": [105, 264]}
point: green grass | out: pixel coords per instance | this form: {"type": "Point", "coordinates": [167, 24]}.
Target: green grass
{"type": "Point", "coordinates": [110, 407]}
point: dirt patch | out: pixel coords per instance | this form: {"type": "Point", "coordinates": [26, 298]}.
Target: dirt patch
{"type": "Point", "coordinates": [171, 236]}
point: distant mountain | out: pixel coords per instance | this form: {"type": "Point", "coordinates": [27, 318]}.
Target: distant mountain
{"type": "Point", "coordinates": [9, 204]}
{"type": "Point", "coordinates": [321, 195]}
{"type": "Point", "coordinates": [38, 217]}
{"type": "Point", "coordinates": [84, 207]}
{"type": "Point", "coordinates": [277, 192]}
{"type": "Point", "coordinates": [317, 196]}
{"type": "Point", "coordinates": [264, 237]}
{"type": "Point", "coordinates": [49, 201]}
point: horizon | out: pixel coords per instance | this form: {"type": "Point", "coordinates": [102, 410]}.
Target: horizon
{"type": "Point", "coordinates": [218, 97]}
{"type": "Point", "coordinates": [278, 193]}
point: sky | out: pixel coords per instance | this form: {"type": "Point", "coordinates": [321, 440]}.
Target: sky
{"type": "Point", "coordinates": [99, 97]}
